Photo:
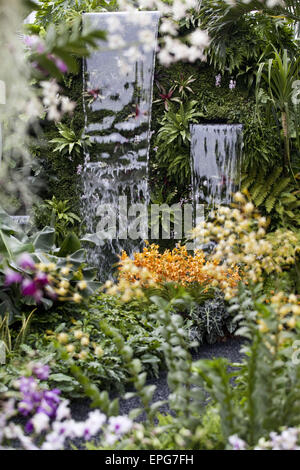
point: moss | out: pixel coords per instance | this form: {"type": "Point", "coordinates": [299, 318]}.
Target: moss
{"type": "Point", "coordinates": [59, 174]}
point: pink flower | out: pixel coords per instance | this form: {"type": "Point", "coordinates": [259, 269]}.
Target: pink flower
{"type": "Point", "coordinates": [12, 277]}
{"type": "Point", "coordinates": [41, 279]}
{"type": "Point", "coordinates": [41, 371]}
{"type": "Point", "coordinates": [61, 65]}
{"type": "Point", "coordinates": [29, 287]}
{"type": "Point", "coordinates": [26, 262]}
{"type": "Point", "coordinates": [38, 296]}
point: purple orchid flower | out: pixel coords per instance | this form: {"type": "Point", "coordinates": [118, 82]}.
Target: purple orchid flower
{"type": "Point", "coordinates": [26, 262]}
{"type": "Point", "coordinates": [41, 279]}
{"type": "Point", "coordinates": [41, 371]}
{"type": "Point", "coordinates": [62, 67]}
{"type": "Point", "coordinates": [12, 277]}
{"type": "Point", "coordinates": [29, 288]}
{"type": "Point", "coordinates": [25, 407]}
{"type": "Point", "coordinates": [38, 296]}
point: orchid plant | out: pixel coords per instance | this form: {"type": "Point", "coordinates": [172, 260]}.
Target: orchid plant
{"type": "Point", "coordinates": [49, 424]}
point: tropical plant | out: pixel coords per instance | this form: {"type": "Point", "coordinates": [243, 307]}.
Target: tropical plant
{"type": "Point", "coordinates": [69, 10]}
{"type": "Point", "coordinates": [276, 194]}
{"type": "Point", "coordinates": [60, 42]}
{"type": "Point", "coordinates": [173, 140]}
{"type": "Point", "coordinates": [261, 145]}
{"type": "Point", "coordinates": [240, 239]}
{"type": "Point", "coordinates": [58, 215]}
{"type": "Point", "coordinates": [254, 398]}
{"type": "Point", "coordinates": [182, 85]}
{"type": "Point", "coordinates": [165, 96]}
{"type": "Point", "coordinates": [241, 33]}
{"type": "Point", "coordinates": [100, 358]}
{"type": "Point", "coordinates": [34, 271]}
{"type": "Point", "coordinates": [70, 143]}
{"type": "Point", "coordinates": [279, 75]}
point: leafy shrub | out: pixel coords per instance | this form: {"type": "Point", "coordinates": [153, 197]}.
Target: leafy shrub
{"type": "Point", "coordinates": [69, 10]}
{"type": "Point", "coordinates": [210, 320]}
{"type": "Point", "coordinates": [173, 138]}
{"type": "Point", "coordinates": [240, 34]}
{"type": "Point", "coordinates": [98, 355]}
{"type": "Point", "coordinates": [58, 215]}
{"type": "Point", "coordinates": [43, 274]}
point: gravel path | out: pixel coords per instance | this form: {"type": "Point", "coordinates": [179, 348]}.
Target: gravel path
{"type": "Point", "coordinates": [229, 349]}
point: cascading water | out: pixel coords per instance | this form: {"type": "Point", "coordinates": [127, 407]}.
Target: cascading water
{"type": "Point", "coordinates": [118, 87]}
{"type": "Point", "coordinates": [216, 151]}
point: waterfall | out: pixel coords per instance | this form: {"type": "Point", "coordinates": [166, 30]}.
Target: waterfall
{"type": "Point", "coordinates": [118, 86]}
{"type": "Point", "coordinates": [216, 151]}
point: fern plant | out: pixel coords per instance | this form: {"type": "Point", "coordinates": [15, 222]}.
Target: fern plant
{"type": "Point", "coordinates": [173, 140]}
{"type": "Point", "coordinates": [275, 193]}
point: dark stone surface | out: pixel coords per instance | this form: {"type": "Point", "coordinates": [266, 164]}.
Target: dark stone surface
{"type": "Point", "coordinates": [229, 349]}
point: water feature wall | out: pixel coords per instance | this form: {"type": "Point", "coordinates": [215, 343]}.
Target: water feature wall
{"type": "Point", "coordinates": [216, 152]}
{"type": "Point", "coordinates": [118, 86]}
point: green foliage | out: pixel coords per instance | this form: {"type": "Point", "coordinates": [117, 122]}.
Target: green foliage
{"type": "Point", "coordinates": [184, 400]}
{"type": "Point", "coordinates": [240, 34]}
{"type": "Point", "coordinates": [251, 399]}
{"type": "Point", "coordinates": [217, 105]}
{"type": "Point", "coordinates": [109, 371]}
{"type": "Point", "coordinates": [210, 320]}
{"type": "Point", "coordinates": [261, 145]}
{"type": "Point", "coordinates": [266, 395]}
{"type": "Point", "coordinates": [207, 318]}
{"type": "Point", "coordinates": [57, 176]}
{"type": "Point", "coordinates": [67, 44]}
{"type": "Point", "coordinates": [69, 10]}
{"type": "Point", "coordinates": [279, 75]}
{"type": "Point", "coordinates": [69, 142]}
{"type": "Point", "coordinates": [58, 215]}
{"type": "Point", "coordinates": [41, 246]}
{"type": "Point", "coordinates": [173, 138]}
{"type": "Point", "coordinates": [275, 193]}
{"type": "Point", "coordinates": [182, 84]}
